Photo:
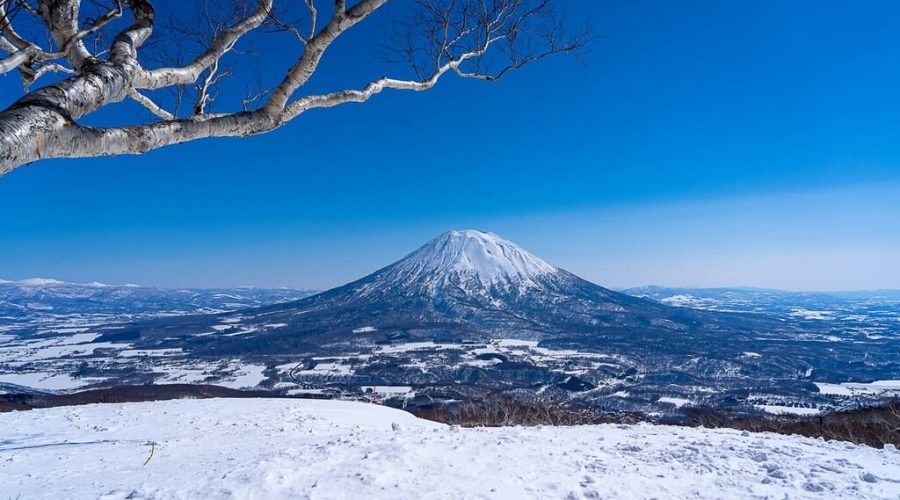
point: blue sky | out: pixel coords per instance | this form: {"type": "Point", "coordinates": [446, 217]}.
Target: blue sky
{"type": "Point", "coordinates": [700, 143]}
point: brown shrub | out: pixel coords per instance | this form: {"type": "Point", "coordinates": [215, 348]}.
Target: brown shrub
{"type": "Point", "coordinates": [500, 410]}
{"type": "Point", "coordinates": [874, 426]}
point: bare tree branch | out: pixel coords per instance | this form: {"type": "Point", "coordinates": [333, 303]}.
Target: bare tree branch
{"type": "Point", "coordinates": [223, 43]}
{"type": "Point", "coordinates": [479, 39]}
{"type": "Point", "coordinates": [150, 105]}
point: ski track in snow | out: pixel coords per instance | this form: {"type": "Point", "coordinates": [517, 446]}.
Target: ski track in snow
{"type": "Point", "coordinates": [281, 448]}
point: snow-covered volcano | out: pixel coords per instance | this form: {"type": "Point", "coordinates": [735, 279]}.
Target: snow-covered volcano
{"type": "Point", "coordinates": [474, 284]}
{"type": "Point", "coordinates": [460, 274]}
{"type": "Point", "coordinates": [484, 256]}
{"type": "Point", "coordinates": [473, 262]}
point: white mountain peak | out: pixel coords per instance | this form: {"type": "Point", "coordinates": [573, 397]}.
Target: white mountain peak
{"type": "Point", "coordinates": [39, 282]}
{"type": "Point", "coordinates": [48, 282]}
{"type": "Point", "coordinates": [484, 255]}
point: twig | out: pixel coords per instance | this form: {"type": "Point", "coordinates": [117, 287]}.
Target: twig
{"type": "Point", "coordinates": [152, 449]}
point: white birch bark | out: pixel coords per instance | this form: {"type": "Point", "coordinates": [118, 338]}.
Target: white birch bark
{"type": "Point", "coordinates": [44, 123]}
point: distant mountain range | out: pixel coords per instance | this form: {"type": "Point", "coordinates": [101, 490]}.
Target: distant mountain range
{"type": "Point", "coordinates": [27, 298]}
{"type": "Point", "coordinates": [35, 296]}
{"type": "Point", "coordinates": [763, 299]}
{"type": "Point", "coordinates": [470, 312]}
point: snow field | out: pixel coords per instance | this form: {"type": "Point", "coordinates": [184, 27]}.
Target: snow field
{"type": "Point", "coordinates": [287, 448]}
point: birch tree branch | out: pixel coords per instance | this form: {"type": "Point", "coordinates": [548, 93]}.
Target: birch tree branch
{"type": "Point", "coordinates": [150, 105]}
{"type": "Point", "coordinates": [479, 39]}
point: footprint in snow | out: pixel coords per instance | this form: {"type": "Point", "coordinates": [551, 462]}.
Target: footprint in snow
{"type": "Point", "coordinates": [869, 477]}
{"type": "Point", "coordinates": [813, 487]}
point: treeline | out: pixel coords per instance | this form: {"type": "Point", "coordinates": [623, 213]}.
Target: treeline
{"type": "Point", "coordinates": [123, 394]}
{"type": "Point", "coordinates": [502, 410]}
{"type": "Point", "coordinates": [874, 426]}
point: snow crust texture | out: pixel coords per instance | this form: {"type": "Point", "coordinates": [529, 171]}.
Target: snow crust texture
{"type": "Point", "coordinates": [279, 448]}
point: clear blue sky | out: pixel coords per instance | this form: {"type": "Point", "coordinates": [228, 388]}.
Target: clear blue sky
{"type": "Point", "coordinates": [700, 143]}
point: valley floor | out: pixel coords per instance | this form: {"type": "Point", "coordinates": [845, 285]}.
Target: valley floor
{"type": "Point", "coordinates": [282, 448]}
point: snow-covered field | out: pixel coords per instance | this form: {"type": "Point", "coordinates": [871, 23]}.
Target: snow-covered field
{"type": "Point", "coordinates": [890, 388]}
{"type": "Point", "coordinates": [281, 448]}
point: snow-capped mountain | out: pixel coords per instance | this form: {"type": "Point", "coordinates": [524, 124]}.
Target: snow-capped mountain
{"type": "Point", "coordinates": [39, 282]}
{"type": "Point", "coordinates": [472, 260]}
{"type": "Point", "coordinates": [467, 312]}
{"type": "Point", "coordinates": [479, 282]}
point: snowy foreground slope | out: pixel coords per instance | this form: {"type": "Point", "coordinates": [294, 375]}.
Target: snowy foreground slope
{"type": "Point", "coordinates": [279, 448]}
